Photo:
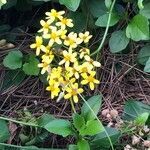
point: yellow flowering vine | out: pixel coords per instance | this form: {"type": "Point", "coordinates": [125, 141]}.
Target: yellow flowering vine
{"type": "Point", "coordinates": [65, 57]}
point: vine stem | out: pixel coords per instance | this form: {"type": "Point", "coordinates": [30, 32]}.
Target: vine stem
{"type": "Point", "coordinates": [97, 120]}
{"type": "Point", "coordinates": [24, 147]}
{"type": "Point", "coordinates": [19, 122]}
{"type": "Point", "coordinates": [106, 30]}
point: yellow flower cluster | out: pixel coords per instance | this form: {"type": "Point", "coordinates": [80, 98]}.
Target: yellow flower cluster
{"type": "Point", "coordinates": [64, 57]}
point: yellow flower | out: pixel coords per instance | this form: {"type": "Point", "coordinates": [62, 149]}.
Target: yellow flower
{"type": "Point", "coordinates": [67, 81]}
{"type": "Point", "coordinates": [63, 34]}
{"type": "Point", "coordinates": [86, 68]}
{"type": "Point", "coordinates": [55, 76]}
{"type": "Point", "coordinates": [45, 26]}
{"type": "Point", "coordinates": [65, 22]}
{"type": "Point", "coordinates": [92, 62]}
{"type": "Point", "coordinates": [85, 36]}
{"type": "Point", "coordinates": [54, 89]}
{"type": "Point", "coordinates": [54, 36]}
{"type": "Point", "coordinates": [89, 79]}
{"type": "Point", "coordinates": [46, 49]}
{"type": "Point", "coordinates": [83, 52]}
{"type": "Point", "coordinates": [45, 67]}
{"type": "Point", "coordinates": [54, 14]}
{"type": "Point", "coordinates": [69, 57]}
{"type": "Point", "coordinates": [74, 70]}
{"type": "Point", "coordinates": [38, 45]}
{"type": "Point", "coordinates": [48, 57]}
{"type": "Point", "coordinates": [73, 91]}
{"type": "Point", "coordinates": [72, 41]}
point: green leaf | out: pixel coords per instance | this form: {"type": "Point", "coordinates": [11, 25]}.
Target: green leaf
{"type": "Point", "coordinates": [83, 145]}
{"type": "Point", "coordinates": [78, 121]}
{"type": "Point", "coordinates": [101, 140]}
{"type": "Point", "coordinates": [70, 4]}
{"type": "Point", "coordinates": [4, 132]}
{"type": "Point", "coordinates": [12, 78]}
{"type": "Point", "coordinates": [79, 21]}
{"type": "Point", "coordinates": [102, 20]}
{"type": "Point", "coordinates": [144, 55]}
{"type": "Point", "coordinates": [45, 119]}
{"type": "Point", "coordinates": [147, 66]}
{"type": "Point", "coordinates": [92, 127]}
{"type": "Point", "coordinates": [118, 41]}
{"type": "Point", "coordinates": [141, 119]}
{"type": "Point", "coordinates": [95, 104]}
{"type": "Point", "coordinates": [73, 147]}
{"type": "Point", "coordinates": [134, 109]}
{"type": "Point", "coordinates": [108, 3]}
{"type": "Point", "coordinates": [31, 67]}
{"type": "Point", "coordinates": [146, 10]}
{"type": "Point", "coordinates": [138, 28]}
{"type": "Point", "coordinates": [59, 126]}
{"type": "Point", "coordinates": [13, 60]}
{"type": "Point", "coordinates": [97, 7]}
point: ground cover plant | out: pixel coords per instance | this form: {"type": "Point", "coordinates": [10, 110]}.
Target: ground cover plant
{"type": "Point", "coordinates": [75, 74]}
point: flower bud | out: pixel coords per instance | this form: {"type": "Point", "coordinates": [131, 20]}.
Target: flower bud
{"type": "Point", "coordinates": [146, 143]}
{"type": "Point", "coordinates": [105, 112]}
{"type": "Point", "coordinates": [114, 113]}
{"type": "Point", "coordinates": [135, 140]}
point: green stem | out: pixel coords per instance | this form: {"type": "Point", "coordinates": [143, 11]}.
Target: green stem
{"type": "Point", "coordinates": [26, 147]}
{"type": "Point", "coordinates": [106, 30]}
{"type": "Point", "coordinates": [19, 122]}
{"type": "Point", "coordinates": [72, 105]}
{"type": "Point", "coordinates": [97, 120]}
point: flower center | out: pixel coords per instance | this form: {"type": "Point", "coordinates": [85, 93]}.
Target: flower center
{"type": "Point", "coordinates": [67, 57]}
{"type": "Point", "coordinates": [74, 92]}
{"type": "Point", "coordinates": [53, 35]}
{"type": "Point", "coordinates": [46, 26]}
{"type": "Point", "coordinates": [90, 79]}
{"type": "Point", "coordinates": [64, 21]}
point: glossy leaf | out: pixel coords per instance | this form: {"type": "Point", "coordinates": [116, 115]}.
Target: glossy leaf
{"type": "Point", "coordinates": [138, 28]}
{"type": "Point", "coordinates": [108, 3]}
{"type": "Point", "coordinates": [4, 132]}
{"type": "Point", "coordinates": [141, 119]}
{"type": "Point", "coordinates": [134, 109]}
{"type": "Point", "coordinates": [92, 127]}
{"type": "Point", "coordinates": [118, 41]}
{"type": "Point", "coordinates": [83, 145]}
{"type": "Point", "coordinates": [31, 66]}
{"type": "Point", "coordinates": [78, 121]}
{"type": "Point", "coordinates": [147, 66]}
{"type": "Point", "coordinates": [73, 147]}
{"type": "Point", "coordinates": [71, 4]}
{"type": "Point", "coordinates": [144, 55]}
{"type": "Point", "coordinates": [59, 126]}
{"type": "Point", "coordinates": [45, 119]}
{"type": "Point", "coordinates": [97, 7]}
{"type": "Point", "coordinates": [13, 60]}
{"type": "Point", "coordinates": [101, 140]}
{"type": "Point", "coordinates": [95, 104]}
{"type": "Point", "coordinates": [102, 20]}
{"type": "Point", "coordinates": [146, 10]}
